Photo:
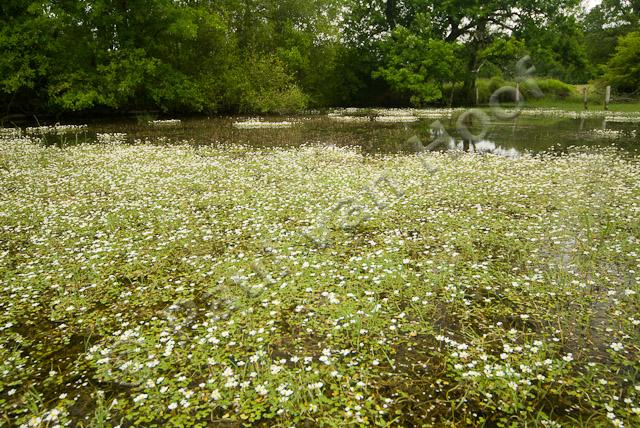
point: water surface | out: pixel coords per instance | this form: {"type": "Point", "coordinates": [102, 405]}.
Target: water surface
{"type": "Point", "coordinates": [525, 134]}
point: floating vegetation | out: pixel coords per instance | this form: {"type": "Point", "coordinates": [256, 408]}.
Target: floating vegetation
{"type": "Point", "coordinates": [349, 119]}
{"type": "Point", "coordinates": [10, 132]}
{"type": "Point", "coordinates": [624, 119]}
{"type": "Point", "coordinates": [607, 133]}
{"type": "Point", "coordinates": [169, 122]}
{"type": "Point", "coordinates": [396, 119]}
{"type": "Point", "coordinates": [258, 124]}
{"type": "Point", "coordinates": [609, 116]}
{"type": "Point", "coordinates": [405, 115]}
{"type": "Point", "coordinates": [356, 115]}
{"type": "Point", "coordinates": [610, 133]}
{"type": "Point", "coordinates": [395, 112]}
{"type": "Point", "coordinates": [56, 130]}
{"type": "Point", "coordinates": [111, 138]}
{"type": "Point", "coordinates": [437, 113]}
{"type": "Point", "coordinates": [174, 285]}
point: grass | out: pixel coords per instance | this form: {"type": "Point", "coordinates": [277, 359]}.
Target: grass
{"type": "Point", "coordinates": [157, 285]}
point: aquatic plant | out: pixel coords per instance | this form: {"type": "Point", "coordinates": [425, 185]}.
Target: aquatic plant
{"type": "Point", "coordinates": [172, 285]}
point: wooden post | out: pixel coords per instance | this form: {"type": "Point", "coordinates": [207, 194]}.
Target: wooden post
{"type": "Point", "coordinates": [477, 94]}
{"type": "Point", "coordinates": [517, 92]}
{"type": "Point", "coordinates": [585, 97]}
{"type": "Point", "coordinates": [607, 98]}
{"type": "Point", "coordinates": [453, 89]}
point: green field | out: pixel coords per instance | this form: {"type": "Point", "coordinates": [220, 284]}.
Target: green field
{"type": "Point", "coordinates": [157, 285]}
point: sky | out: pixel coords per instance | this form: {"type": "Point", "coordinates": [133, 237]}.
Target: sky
{"type": "Point", "coordinates": [590, 4]}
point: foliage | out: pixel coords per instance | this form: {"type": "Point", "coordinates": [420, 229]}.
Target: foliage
{"type": "Point", "coordinates": [501, 55]}
{"type": "Point", "coordinates": [204, 56]}
{"type": "Point", "coordinates": [559, 50]}
{"type": "Point", "coordinates": [623, 69]}
{"type": "Point", "coordinates": [605, 23]}
{"type": "Point", "coordinates": [417, 66]}
{"type": "Point", "coordinates": [552, 89]}
{"type": "Point", "coordinates": [266, 87]}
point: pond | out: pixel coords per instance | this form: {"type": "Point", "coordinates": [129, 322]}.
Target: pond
{"type": "Point", "coordinates": [533, 131]}
{"type": "Point", "coordinates": [161, 285]}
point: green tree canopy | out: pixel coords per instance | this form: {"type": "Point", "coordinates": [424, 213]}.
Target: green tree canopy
{"type": "Point", "coordinates": [274, 56]}
{"type": "Point", "coordinates": [418, 66]}
{"type": "Point", "coordinates": [623, 70]}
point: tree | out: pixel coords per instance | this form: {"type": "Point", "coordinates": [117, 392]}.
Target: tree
{"type": "Point", "coordinates": [623, 70]}
{"type": "Point", "coordinates": [621, 12]}
{"type": "Point", "coordinates": [28, 45]}
{"type": "Point", "coordinates": [605, 24]}
{"type": "Point", "coordinates": [215, 55]}
{"type": "Point", "coordinates": [418, 66]}
{"type": "Point", "coordinates": [558, 49]}
{"type": "Point", "coordinates": [474, 24]}
{"type": "Point", "coordinates": [478, 23]}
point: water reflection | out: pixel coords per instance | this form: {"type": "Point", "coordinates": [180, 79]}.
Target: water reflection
{"type": "Point", "coordinates": [484, 147]}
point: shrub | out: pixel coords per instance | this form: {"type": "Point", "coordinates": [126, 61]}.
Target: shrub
{"type": "Point", "coordinates": [264, 86]}
{"type": "Point", "coordinates": [486, 87]}
{"type": "Point", "coordinates": [552, 88]}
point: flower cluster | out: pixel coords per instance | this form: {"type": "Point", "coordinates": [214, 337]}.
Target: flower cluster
{"type": "Point", "coordinates": [173, 284]}
{"type": "Point", "coordinates": [113, 138]}
{"type": "Point", "coordinates": [10, 132]}
{"type": "Point", "coordinates": [259, 124]}
{"type": "Point", "coordinates": [168, 122]}
{"type": "Point", "coordinates": [56, 129]}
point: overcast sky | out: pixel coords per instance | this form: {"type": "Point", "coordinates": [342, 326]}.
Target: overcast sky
{"type": "Point", "coordinates": [589, 4]}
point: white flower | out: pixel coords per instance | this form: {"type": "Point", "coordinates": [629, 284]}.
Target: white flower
{"type": "Point", "coordinates": [140, 397]}
{"type": "Point", "coordinates": [617, 346]}
{"type": "Point", "coordinates": [325, 359]}
{"type": "Point", "coordinates": [215, 394]}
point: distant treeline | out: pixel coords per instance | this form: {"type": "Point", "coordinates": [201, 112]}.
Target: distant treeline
{"type": "Point", "coordinates": [259, 56]}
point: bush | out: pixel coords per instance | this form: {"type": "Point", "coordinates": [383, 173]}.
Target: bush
{"type": "Point", "coordinates": [486, 87]}
{"type": "Point", "coordinates": [551, 88]}
{"type": "Point", "coordinates": [264, 86]}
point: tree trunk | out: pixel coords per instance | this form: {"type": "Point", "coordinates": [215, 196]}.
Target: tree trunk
{"type": "Point", "coordinates": [469, 87]}
{"type": "Point", "coordinates": [390, 13]}
{"type": "Point", "coordinates": [477, 43]}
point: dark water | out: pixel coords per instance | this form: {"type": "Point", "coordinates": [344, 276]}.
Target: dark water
{"type": "Point", "coordinates": [506, 137]}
